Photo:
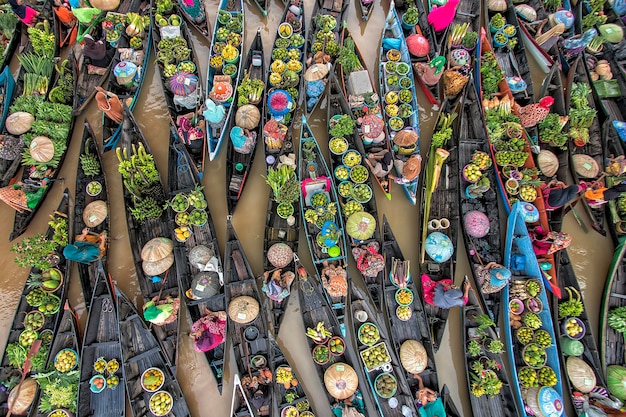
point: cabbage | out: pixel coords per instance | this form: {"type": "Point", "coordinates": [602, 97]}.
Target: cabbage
{"type": "Point", "coordinates": [616, 381]}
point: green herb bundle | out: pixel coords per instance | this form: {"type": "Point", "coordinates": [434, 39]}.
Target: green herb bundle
{"type": "Point", "coordinates": [491, 74]}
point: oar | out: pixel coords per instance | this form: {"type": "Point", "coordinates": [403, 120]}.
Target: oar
{"type": "Point", "coordinates": [34, 348]}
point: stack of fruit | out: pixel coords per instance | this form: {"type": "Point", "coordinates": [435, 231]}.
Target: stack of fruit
{"type": "Point", "coordinates": [375, 356]}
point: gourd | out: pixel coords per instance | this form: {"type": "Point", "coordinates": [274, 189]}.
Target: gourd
{"type": "Point", "coordinates": [413, 356]}
{"type": "Point", "coordinates": [247, 117]}
{"type": "Point", "coordinates": [616, 381]}
{"type": "Point", "coordinates": [19, 122]}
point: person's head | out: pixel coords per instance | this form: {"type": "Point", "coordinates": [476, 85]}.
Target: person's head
{"type": "Point", "coordinates": [426, 396]}
{"type": "Point", "coordinates": [151, 313]}
{"type": "Point", "coordinates": [499, 276]}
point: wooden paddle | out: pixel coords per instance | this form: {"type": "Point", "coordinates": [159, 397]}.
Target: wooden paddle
{"type": "Point", "coordinates": [34, 348]}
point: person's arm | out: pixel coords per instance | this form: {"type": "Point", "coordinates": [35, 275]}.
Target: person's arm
{"type": "Point", "coordinates": [83, 236]}
{"type": "Point", "coordinates": [466, 290]}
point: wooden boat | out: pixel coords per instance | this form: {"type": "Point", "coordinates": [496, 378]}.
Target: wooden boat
{"type": "Point", "coordinates": [366, 9]}
{"type": "Point", "coordinates": [613, 149]}
{"type": "Point", "coordinates": [7, 84]}
{"type": "Point", "coordinates": [262, 6]}
{"type": "Point", "coordinates": [140, 352]}
{"type": "Point", "coordinates": [66, 337]}
{"type": "Point", "coordinates": [239, 405]}
{"type": "Point", "coordinates": [391, 31]}
{"type": "Point", "coordinates": [87, 82]}
{"type": "Point", "coordinates": [277, 136]}
{"type": "Point", "coordinates": [239, 160]}
{"type": "Point", "coordinates": [195, 14]}
{"type": "Point", "coordinates": [593, 148]}
{"type": "Point", "coordinates": [471, 137]}
{"type": "Point", "coordinates": [216, 132]}
{"type": "Point", "coordinates": [317, 313]}
{"type": "Point", "coordinates": [502, 403]}
{"type": "Point", "coordinates": [10, 370]}
{"type": "Point", "coordinates": [376, 370]}
{"type": "Point", "coordinates": [180, 102]}
{"type": "Point", "coordinates": [505, 92]}
{"type": "Point", "coordinates": [252, 349]}
{"type": "Point", "coordinates": [101, 340]}
{"type": "Point", "coordinates": [315, 176]}
{"type": "Point", "coordinates": [440, 214]}
{"type": "Point", "coordinates": [416, 327]}
{"type": "Point", "coordinates": [314, 56]}
{"type": "Point", "coordinates": [374, 108]}
{"type": "Point", "coordinates": [11, 39]}
{"type": "Point", "coordinates": [514, 63]}
{"type": "Point", "coordinates": [591, 355]}
{"type": "Point", "coordinates": [366, 252]}
{"type": "Point", "coordinates": [90, 153]}
{"type": "Point", "coordinates": [129, 91]}
{"type": "Point", "coordinates": [518, 247]}
{"type": "Point", "coordinates": [182, 180]}
{"type": "Point", "coordinates": [537, 34]}
{"type": "Point", "coordinates": [165, 284]}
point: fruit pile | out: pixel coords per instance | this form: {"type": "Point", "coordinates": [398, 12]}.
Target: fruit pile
{"type": "Point", "coordinates": [284, 375]}
{"type": "Point", "coordinates": [532, 320]}
{"type": "Point", "coordinates": [543, 338]}
{"type": "Point", "coordinates": [112, 366]}
{"type": "Point", "coordinates": [534, 355]}
{"type": "Point", "coordinates": [386, 385]}
{"type": "Point", "coordinates": [57, 413]}
{"type": "Point", "coordinates": [528, 193]}
{"type": "Point", "coordinates": [179, 203]}
{"type": "Point", "coordinates": [573, 327]}
{"type": "Point", "coordinates": [533, 288]}
{"type": "Point", "coordinates": [338, 145]}
{"type": "Point", "coordinates": [358, 174]}
{"type": "Point", "coordinates": [342, 173]}
{"type": "Point", "coordinates": [113, 381]}
{"type": "Point", "coordinates": [161, 403]}
{"type": "Point", "coordinates": [404, 296]}
{"type": "Point", "coordinates": [152, 379]}
{"type": "Point", "coordinates": [362, 193]}
{"type": "Point", "coordinates": [345, 189]}
{"type": "Point", "coordinates": [351, 158]}
{"type": "Point", "coordinates": [528, 377]}
{"type": "Point", "coordinates": [481, 160]}
{"type": "Point", "coordinates": [27, 337]}
{"type": "Point", "coordinates": [182, 233]}
{"type": "Point", "coordinates": [100, 365]}
{"type": "Point", "coordinates": [534, 305]}
{"type": "Point", "coordinates": [546, 377]}
{"type": "Point", "coordinates": [369, 334]}
{"type": "Point", "coordinates": [336, 346]}
{"type": "Point", "coordinates": [65, 360]}
{"type": "Point", "coordinates": [515, 158]}
{"type": "Point", "coordinates": [472, 173]}
{"type": "Point", "coordinates": [320, 334]}
{"type": "Point", "coordinates": [46, 303]}
{"type": "Point", "coordinates": [190, 210]}
{"type": "Point", "coordinates": [352, 207]}
{"type": "Point", "coordinates": [321, 354]}
{"type": "Point", "coordinates": [34, 320]}
{"type": "Point", "coordinates": [375, 356]}
{"type": "Point", "coordinates": [319, 199]}
{"type": "Point", "coordinates": [94, 188]}
{"type": "Point", "coordinates": [525, 335]}
{"type": "Point", "coordinates": [404, 312]}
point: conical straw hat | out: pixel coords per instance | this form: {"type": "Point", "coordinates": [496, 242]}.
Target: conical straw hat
{"type": "Point", "coordinates": [157, 249]}
{"type": "Point", "coordinates": [158, 267]}
{"type": "Point", "coordinates": [316, 72]}
{"type": "Point", "coordinates": [41, 149]}
{"type": "Point", "coordinates": [341, 380]}
{"type": "Point", "coordinates": [548, 163]}
{"type": "Point", "coordinates": [405, 138]}
{"type": "Point", "coordinates": [243, 309]}
{"type": "Point", "coordinates": [95, 213]}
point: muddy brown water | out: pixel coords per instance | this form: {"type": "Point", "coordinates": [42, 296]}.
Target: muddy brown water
{"type": "Point", "coordinates": [590, 253]}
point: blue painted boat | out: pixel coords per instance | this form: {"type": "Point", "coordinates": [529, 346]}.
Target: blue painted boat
{"type": "Point", "coordinates": [216, 131]}
{"type": "Point", "coordinates": [7, 84]}
{"type": "Point", "coordinates": [520, 258]}
{"type": "Point", "coordinates": [393, 38]}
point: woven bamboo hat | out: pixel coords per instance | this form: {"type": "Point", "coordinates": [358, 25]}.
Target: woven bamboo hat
{"type": "Point", "coordinates": [157, 249]}
{"type": "Point", "coordinates": [586, 166]}
{"type": "Point", "coordinates": [158, 267]}
{"type": "Point", "coordinates": [405, 137]}
{"type": "Point", "coordinates": [413, 356]}
{"type": "Point", "coordinates": [243, 309]}
{"type": "Point", "coordinates": [41, 149]}
{"type": "Point", "coordinates": [548, 163]}
{"type": "Point", "coordinates": [316, 72]}
{"type": "Point", "coordinates": [95, 213]}
{"type": "Point", "coordinates": [581, 374]}
{"type": "Point", "coordinates": [341, 380]}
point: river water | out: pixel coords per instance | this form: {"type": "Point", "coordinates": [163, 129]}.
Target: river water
{"type": "Point", "coordinates": [590, 253]}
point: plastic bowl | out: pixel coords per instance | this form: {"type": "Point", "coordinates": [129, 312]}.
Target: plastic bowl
{"type": "Point", "coordinates": [66, 350]}
{"type": "Point", "coordinates": [143, 375]}
{"type": "Point", "coordinates": [393, 392]}
{"type": "Point", "coordinates": [289, 411]}
{"type": "Point", "coordinates": [518, 303]}
{"type": "Point", "coordinates": [93, 388]}
{"type": "Point", "coordinates": [168, 409]}
{"type": "Point", "coordinates": [402, 309]}
{"type": "Point", "coordinates": [576, 336]}
{"type": "Point", "coordinates": [402, 291]}
{"type": "Point", "coordinates": [96, 184]}
{"type": "Point", "coordinates": [360, 334]}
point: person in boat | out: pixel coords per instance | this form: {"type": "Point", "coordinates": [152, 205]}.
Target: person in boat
{"type": "Point", "coordinates": [556, 193]}
{"type": "Point", "coordinates": [208, 332]}
{"type": "Point", "coordinates": [410, 169]}
{"type": "Point", "coordinates": [261, 400]}
{"type": "Point", "coordinates": [277, 286]}
{"type": "Point", "coordinates": [548, 242]}
{"type": "Point", "coordinates": [192, 136]}
{"type": "Point", "coordinates": [97, 52]}
{"type": "Point", "coordinates": [25, 13]}
{"type": "Point", "coordinates": [161, 312]}
{"type": "Point", "coordinates": [353, 406]}
{"type": "Point", "coordinates": [243, 140]}
{"type": "Point", "coordinates": [380, 162]}
{"type": "Point", "coordinates": [443, 293]}
{"type": "Point", "coordinates": [24, 196]}
{"type": "Point", "coordinates": [86, 248]}
{"type": "Point", "coordinates": [63, 11]}
{"type": "Point", "coordinates": [492, 277]}
{"type": "Point", "coordinates": [597, 194]}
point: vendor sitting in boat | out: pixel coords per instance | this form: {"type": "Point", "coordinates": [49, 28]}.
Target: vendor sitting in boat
{"type": "Point", "coordinates": [443, 293]}
{"type": "Point", "coordinates": [598, 195]}
{"type": "Point", "coordinates": [86, 248]}
{"type": "Point", "coordinates": [208, 331]}
{"type": "Point", "coordinates": [277, 286]}
{"type": "Point", "coordinates": [409, 169]}
{"type": "Point", "coordinates": [427, 402]}
{"type": "Point", "coordinates": [380, 162]}
{"type": "Point", "coordinates": [492, 277]}
{"type": "Point", "coordinates": [161, 312]}
{"type": "Point", "coordinates": [21, 196]}
{"type": "Point", "coordinates": [98, 54]}
{"type": "Point", "coordinates": [353, 406]}
{"type": "Point", "coordinates": [556, 193]}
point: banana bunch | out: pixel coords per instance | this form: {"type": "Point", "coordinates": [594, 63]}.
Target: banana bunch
{"type": "Point", "coordinates": [320, 333]}
{"type": "Point", "coordinates": [89, 164]}
{"type": "Point", "coordinates": [273, 143]}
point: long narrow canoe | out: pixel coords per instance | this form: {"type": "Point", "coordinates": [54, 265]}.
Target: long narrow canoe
{"type": "Point", "coordinates": [373, 369]}
{"type": "Point", "coordinates": [612, 144]}
{"type": "Point", "coordinates": [11, 37]}
{"type": "Point", "coordinates": [550, 278]}
{"type": "Point", "coordinates": [315, 310]}
{"type": "Point", "coordinates": [440, 192]}
{"type": "Point", "coordinates": [591, 355]}
{"type": "Point", "coordinates": [278, 135]}
{"type": "Point", "coordinates": [182, 180]}
{"type": "Point", "coordinates": [153, 288]}
{"type": "Point", "coordinates": [363, 194]}
{"type": "Point", "coordinates": [366, 7]}
{"type": "Point", "coordinates": [66, 337]}
{"type": "Point", "coordinates": [194, 12]}
{"type": "Point", "coordinates": [140, 352]}
{"type": "Point", "coordinates": [471, 137]}
{"type": "Point", "coordinates": [336, 9]}
{"type": "Point", "coordinates": [513, 62]}
{"type": "Point", "coordinates": [240, 405]}
{"type": "Point", "coordinates": [518, 247]}
{"type": "Point", "coordinates": [315, 176]}
{"type": "Point", "coordinates": [7, 84]}
{"type": "Point", "coordinates": [216, 130]}
{"type": "Point", "coordinates": [90, 154]}
{"type": "Point", "coordinates": [51, 320]}
{"type": "Point", "coordinates": [181, 103]}
{"type": "Point", "coordinates": [612, 346]}
{"type": "Point", "coordinates": [252, 348]}
{"type": "Point", "coordinates": [239, 160]}
{"type": "Point", "coordinates": [577, 78]}
{"type": "Point", "coordinates": [503, 403]}
{"type": "Point", "coordinates": [372, 134]}
{"type": "Point", "coordinates": [101, 340]}
{"type": "Point", "coordinates": [87, 80]}
{"type": "Point", "coordinates": [129, 92]}
{"type": "Point", "coordinates": [392, 35]}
